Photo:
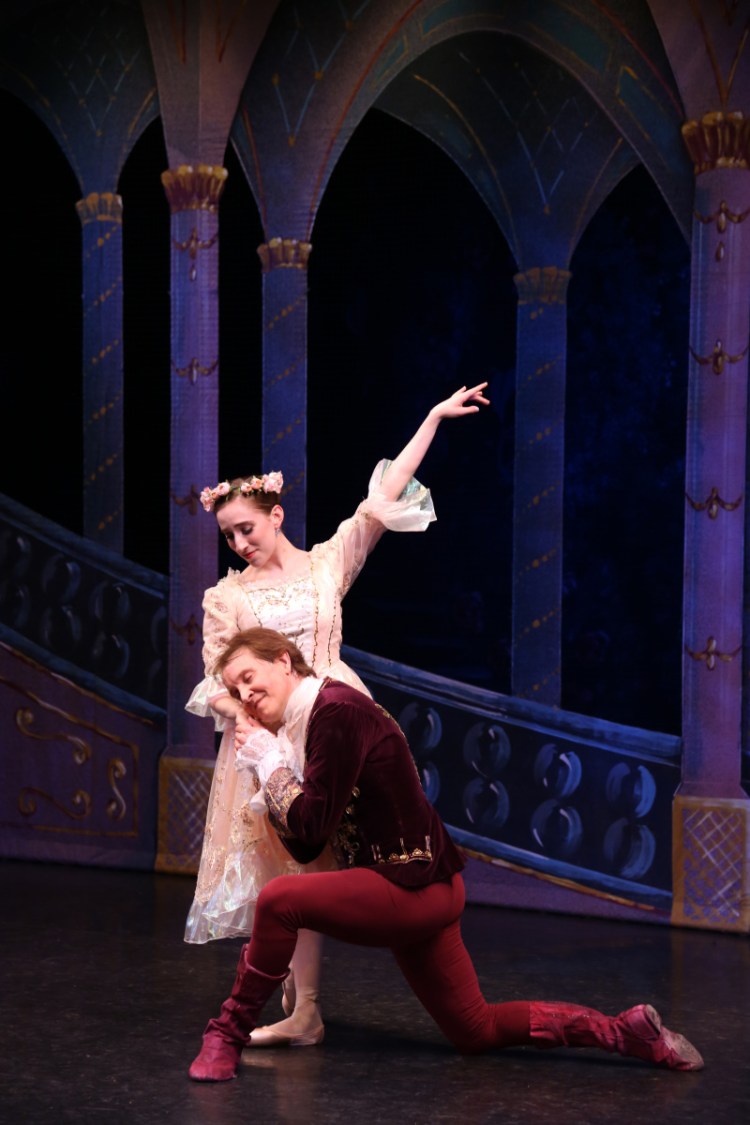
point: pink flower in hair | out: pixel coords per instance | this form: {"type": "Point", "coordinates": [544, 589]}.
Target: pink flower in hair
{"type": "Point", "coordinates": [273, 482]}
{"type": "Point", "coordinates": [269, 482]}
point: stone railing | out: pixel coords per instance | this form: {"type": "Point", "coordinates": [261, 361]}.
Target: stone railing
{"type": "Point", "coordinates": [576, 798]}
{"type": "Point", "coordinates": [80, 608]}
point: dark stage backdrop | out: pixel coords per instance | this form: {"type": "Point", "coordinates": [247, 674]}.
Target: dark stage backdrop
{"type": "Point", "coordinates": [411, 295]}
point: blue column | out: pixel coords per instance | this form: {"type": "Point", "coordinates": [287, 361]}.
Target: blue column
{"type": "Point", "coordinates": [101, 222]}
{"type": "Point", "coordinates": [538, 483]}
{"type": "Point", "coordinates": [284, 263]}
{"type": "Point", "coordinates": [711, 812]}
{"type": "Point", "coordinates": [193, 194]}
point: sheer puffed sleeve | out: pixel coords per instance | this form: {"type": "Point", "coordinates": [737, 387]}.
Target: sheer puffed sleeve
{"type": "Point", "coordinates": [413, 511]}
{"type": "Point", "coordinates": [219, 626]}
{"type": "Point", "coordinates": [346, 552]}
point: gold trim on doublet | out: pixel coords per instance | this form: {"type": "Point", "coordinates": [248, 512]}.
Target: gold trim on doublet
{"type": "Point", "coordinates": [282, 788]}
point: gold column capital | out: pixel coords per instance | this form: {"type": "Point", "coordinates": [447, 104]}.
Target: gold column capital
{"type": "Point", "coordinates": [98, 207]}
{"type": "Point", "coordinates": [194, 188]}
{"type": "Point", "coordinates": [718, 140]}
{"type": "Point", "coordinates": [284, 253]}
{"type": "Point", "coordinates": [548, 284]}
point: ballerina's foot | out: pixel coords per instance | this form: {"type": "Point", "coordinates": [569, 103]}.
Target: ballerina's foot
{"type": "Point", "coordinates": [304, 1028]}
{"type": "Point", "coordinates": [289, 1033]}
{"type": "Point", "coordinates": [288, 994]}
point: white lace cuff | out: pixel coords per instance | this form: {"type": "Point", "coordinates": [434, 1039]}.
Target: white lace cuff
{"type": "Point", "coordinates": [258, 745]}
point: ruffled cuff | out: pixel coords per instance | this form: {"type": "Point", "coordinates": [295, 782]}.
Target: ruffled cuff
{"type": "Point", "coordinates": [264, 753]}
{"type": "Point", "coordinates": [258, 745]}
{"type": "Point", "coordinates": [413, 511]}
{"type": "Point", "coordinates": [204, 693]}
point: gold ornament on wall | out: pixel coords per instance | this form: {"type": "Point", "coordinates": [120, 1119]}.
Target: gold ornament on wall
{"type": "Point", "coordinates": [713, 504]}
{"type": "Point", "coordinates": [195, 368]}
{"type": "Point", "coordinates": [718, 358]}
{"type": "Point", "coordinates": [191, 501]}
{"type": "Point", "coordinates": [721, 216]}
{"type": "Point", "coordinates": [711, 654]}
{"type": "Point", "coordinates": [191, 629]}
{"type": "Point", "coordinates": [193, 244]}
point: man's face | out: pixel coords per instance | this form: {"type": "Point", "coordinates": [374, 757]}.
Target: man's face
{"type": "Point", "coordinates": [263, 686]}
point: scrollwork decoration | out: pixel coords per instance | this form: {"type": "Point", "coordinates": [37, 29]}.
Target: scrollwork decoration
{"type": "Point", "coordinates": [81, 749]}
{"type": "Point", "coordinates": [116, 805]}
{"type": "Point", "coordinates": [27, 804]}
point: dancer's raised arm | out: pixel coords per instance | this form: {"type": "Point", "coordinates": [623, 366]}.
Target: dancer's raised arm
{"type": "Point", "coordinates": [466, 400]}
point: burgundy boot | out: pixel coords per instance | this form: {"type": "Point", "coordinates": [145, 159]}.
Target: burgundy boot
{"type": "Point", "coordinates": [638, 1033]}
{"type": "Point", "coordinates": [225, 1037]}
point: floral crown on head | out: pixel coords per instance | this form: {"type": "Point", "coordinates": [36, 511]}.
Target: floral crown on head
{"type": "Point", "coordinates": [269, 482]}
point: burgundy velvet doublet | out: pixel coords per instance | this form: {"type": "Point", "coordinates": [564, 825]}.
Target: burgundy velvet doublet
{"type": "Point", "coordinates": [361, 791]}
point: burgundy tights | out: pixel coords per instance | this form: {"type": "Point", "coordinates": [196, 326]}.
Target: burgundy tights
{"type": "Point", "coordinates": [421, 926]}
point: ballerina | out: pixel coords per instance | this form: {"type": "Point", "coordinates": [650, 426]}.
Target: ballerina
{"type": "Point", "coordinates": [299, 593]}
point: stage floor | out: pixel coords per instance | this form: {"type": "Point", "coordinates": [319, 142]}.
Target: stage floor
{"type": "Point", "coordinates": [103, 1006]}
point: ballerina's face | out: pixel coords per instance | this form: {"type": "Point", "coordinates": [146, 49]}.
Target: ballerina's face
{"type": "Point", "coordinates": [250, 532]}
{"type": "Point", "coordinates": [263, 686]}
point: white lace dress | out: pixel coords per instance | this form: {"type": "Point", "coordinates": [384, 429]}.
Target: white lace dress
{"type": "Point", "coordinates": [241, 852]}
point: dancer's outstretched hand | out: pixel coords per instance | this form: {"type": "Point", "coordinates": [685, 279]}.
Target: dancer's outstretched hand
{"type": "Point", "coordinates": [466, 400]}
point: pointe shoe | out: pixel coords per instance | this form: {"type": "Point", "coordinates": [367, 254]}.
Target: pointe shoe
{"type": "Point", "coordinates": [305, 1029]}
{"type": "Point", "coordinates": [646, 1037]}
{"type": "Point", "coordinates": [268, 1037]}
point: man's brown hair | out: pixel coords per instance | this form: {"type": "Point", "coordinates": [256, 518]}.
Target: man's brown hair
{"type": "Point", "coordinates": [265, 644]}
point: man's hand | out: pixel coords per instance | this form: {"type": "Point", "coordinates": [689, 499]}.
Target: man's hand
{"type": "Point", "coordinates": [261, 752]}
{"type": "Point", "coordinates": [244, 725]}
